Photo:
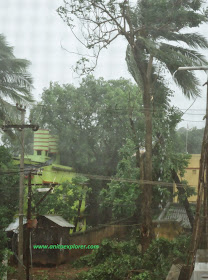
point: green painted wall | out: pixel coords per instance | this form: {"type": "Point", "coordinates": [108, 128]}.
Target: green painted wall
{"type": "Point", "coordinates": [44, 145]}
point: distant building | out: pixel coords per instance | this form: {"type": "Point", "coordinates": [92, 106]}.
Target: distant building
{"type": "Point", "coordinates": [174, 214]}
{"type": "Point", "coordinates": [191, 176]}
{"type": "Point", "coordinates": [46, 158]}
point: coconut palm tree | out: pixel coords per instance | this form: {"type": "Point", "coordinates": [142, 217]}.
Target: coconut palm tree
{"type": "Point", "coordinates": [15, 81]}
{"type": "Point", "coordinates": [148, 28]}
{"type": "Point", "coordinates": [160, 44]}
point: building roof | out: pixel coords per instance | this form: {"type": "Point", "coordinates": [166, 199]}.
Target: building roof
{"type": "Point", "coordinates": [59, 221]}
{"type": "Point", "coordinates": [175, 212]}
{"type": "Point", "coordinates": [15, 225]}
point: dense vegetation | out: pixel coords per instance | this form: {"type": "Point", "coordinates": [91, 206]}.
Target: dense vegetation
{"type": "Point", "coordinates": [123, 260]}
{"type": "Point", "coordinates": [115, 128]}
{"type": "Point", "coordinates": [8, 199]}
{"type": "Point", "coordinates": [103, 122]}
{"type": "Point", "coordinates": [154, 31]}
{"type": "Point", "coordinates": [189, 140]}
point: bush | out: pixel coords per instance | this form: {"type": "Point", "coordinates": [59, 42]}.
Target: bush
{"type": "Point", "coordinates": [115, 260]}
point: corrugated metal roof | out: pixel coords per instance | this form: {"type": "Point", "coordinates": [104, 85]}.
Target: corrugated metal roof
{"type": "Point", "coordinates": [176, 212]}
{"type": "Point", "coordinates": [15, 225]}
{"type": "Point", "coordinates": [58, 220]}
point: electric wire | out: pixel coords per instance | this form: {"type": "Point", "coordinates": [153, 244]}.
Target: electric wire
{"type": "Point", "coordinates": [140, 110]}
{"type": "Point", "coordinates": [18, 137]}
{"type": "Point", "coordinates": [109, 178]}
{"type": "Point", "coordinates": [92, 176]}
{"type": "Point", "coordinates": [190, 106]}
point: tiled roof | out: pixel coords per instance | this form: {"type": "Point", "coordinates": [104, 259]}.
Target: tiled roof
{"type": "Point", "coordinates": [175, 212]}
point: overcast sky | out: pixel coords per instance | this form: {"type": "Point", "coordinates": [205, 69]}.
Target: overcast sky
{"type": "Point", "coordinates": [36, 31]}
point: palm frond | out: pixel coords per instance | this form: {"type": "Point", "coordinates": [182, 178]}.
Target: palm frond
{"type": "Point", "coordinates": [17, 94]}
{"type": "Point", "coordinates": [15, 81]}
{"type": "Point", "coordinates": [6, 50]}
{"type": "Point", "coordinates": [133, 69]}
{"type": "Point", "coordinates": [8, 112]}
{"type": "Point", "coordinates": [173, 57]}
{"type": "Point", "coordinates": [193, 40]}
{"type": "Point", "coordinates": [188, 82]}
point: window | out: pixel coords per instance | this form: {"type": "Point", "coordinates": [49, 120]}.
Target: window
{"type": "Point", "coordinates": [39, 153]}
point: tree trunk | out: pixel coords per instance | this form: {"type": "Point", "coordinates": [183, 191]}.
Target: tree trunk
{"type": "Point", "coordinates": [147, 227]}
{"type": "Point", "coordinates": [145, 70]}
{"type": "Point", "coordinates": [78, 216]}
{"type": "Point", "coordinates": [181, 191]}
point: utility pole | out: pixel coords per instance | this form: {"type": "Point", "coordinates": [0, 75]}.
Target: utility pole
{"type": "Point", "coordinates": [28, 226]}
{"type": "Point", "coordinates": [21, 197]}
{"type": "Point", "coordinates": [21, 127]}
{"type": "Point", "coordinates": [187, 139]}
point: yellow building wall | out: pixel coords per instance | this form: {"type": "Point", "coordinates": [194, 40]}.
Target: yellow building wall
{"type": "Point", "coordinates": [191, 176]}
{"type": "Point", "coordinates": [167, 229]}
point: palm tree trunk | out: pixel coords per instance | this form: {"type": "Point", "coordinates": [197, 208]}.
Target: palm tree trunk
{"type": "Point", "coordinates": [147, 228]}
{"type": "Point", "coordinates": [147, 233]}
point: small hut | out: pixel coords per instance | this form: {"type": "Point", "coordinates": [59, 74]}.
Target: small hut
{"type": "Point", "coordinates": [50, 230]}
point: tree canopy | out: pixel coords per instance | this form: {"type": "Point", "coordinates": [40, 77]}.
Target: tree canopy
{"type": "Point", "coordinates": [154, 31]}
{"type": "Point", "coordinates": [189, 140]}
{"type": "Point", "coordinates": [8, 199]}
{"type": "Point", "coordinates": [15, 81]}
{"type": "Point", "coordinates": [92, 121]}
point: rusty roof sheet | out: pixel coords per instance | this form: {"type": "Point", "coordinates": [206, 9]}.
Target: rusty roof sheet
{"type": "Point", "coordinates": [59, 221]}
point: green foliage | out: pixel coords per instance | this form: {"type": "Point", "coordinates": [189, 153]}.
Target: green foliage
{"type": "Point", "coordinates": [193, 137]}
{"type": "Point", "coordinates": [159, 254]}
{"type": "Point", "coordinates": [162, 253]}
{"type": "Point", "coordinates": [189, 191]}
{"type": "Point", "coordinates": [162, 23]}
{"type": "Point", "coordinates": [121, 196]}
{"type": "Point", "coordinates": [157, 44]}
{"type": "Point", "coordinates": [155, 25]}
{"type": "Point", "coordinates": [172, 161]}
{"type": "Point", "coordinates": [15, 82]}
{"type": "Point", "coordinates": [143, 276]}
{"type": "Point", "coordinates": [63, 200]}
{"type": "Point", "coordinates": [8, 199]}
{"type": "Point", "coordinates": [91, 121]}
{"type": "Point", "coordinates": [116, 260]}
{"type": "Point", "coordinates": [165, 159]}
{"type": "Point", "coordinates": [44, 276]}
{"type": "Point", "coordinates": [111, 261]}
